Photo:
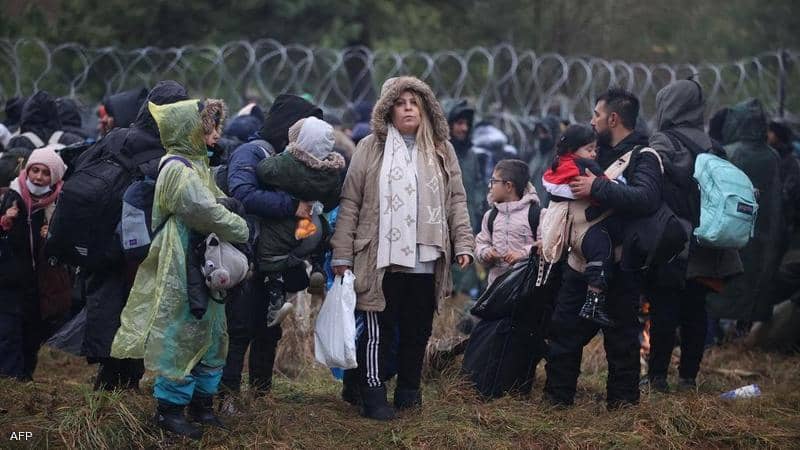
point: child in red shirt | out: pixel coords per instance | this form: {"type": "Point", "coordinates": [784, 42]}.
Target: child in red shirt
{"type": "Point", "coordinates": [576, 153]}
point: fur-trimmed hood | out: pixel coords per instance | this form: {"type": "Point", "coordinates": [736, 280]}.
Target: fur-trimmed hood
{"type": "Point", "coordinates": [213, 115]}
{"type": "Point", "coordinates": [333, 162]}
{"type": "Point", "coordinates": [391, 90]}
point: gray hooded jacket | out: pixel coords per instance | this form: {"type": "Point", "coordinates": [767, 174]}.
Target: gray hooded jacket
{"type": "Point", "coordinates": [680, 107]}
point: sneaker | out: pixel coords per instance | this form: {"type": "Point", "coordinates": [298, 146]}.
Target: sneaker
{"type": "Point", "coordinates": [277, 306]}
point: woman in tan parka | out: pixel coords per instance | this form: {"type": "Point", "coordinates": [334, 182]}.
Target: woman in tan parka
{"type": "Point", "coordinates": [402, 219]}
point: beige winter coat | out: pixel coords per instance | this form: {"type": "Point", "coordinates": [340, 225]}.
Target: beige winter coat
{"type": "Point", "coordinates": [355, 241]}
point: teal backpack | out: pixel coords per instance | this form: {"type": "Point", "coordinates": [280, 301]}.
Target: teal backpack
{"type": "Point", "coordinates": [728, 207]}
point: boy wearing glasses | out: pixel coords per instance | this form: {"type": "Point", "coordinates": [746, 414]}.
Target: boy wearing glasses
{"type": "Point", "coordinates": [509, 237]}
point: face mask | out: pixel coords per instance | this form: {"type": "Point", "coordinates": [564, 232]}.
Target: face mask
{"type": "Point", "coordinates": [37, 190]}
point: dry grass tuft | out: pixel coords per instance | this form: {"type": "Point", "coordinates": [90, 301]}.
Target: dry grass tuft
{"type": "Point", "coordinates": [306, 412]}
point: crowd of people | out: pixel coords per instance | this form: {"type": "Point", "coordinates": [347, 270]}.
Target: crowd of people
{"type": "Point", "coordinates": [420, 202]}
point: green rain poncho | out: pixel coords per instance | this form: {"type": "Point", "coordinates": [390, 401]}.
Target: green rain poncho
{"type": "Point", "coordinates": [156, 323]}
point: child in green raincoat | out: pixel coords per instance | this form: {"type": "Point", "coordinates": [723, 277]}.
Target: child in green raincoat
{"type": "Point", "coordinates": [186, 353]}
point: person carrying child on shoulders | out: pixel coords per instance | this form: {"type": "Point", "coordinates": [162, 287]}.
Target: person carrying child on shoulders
{"type": "Point", "coordinates": [506, 236]}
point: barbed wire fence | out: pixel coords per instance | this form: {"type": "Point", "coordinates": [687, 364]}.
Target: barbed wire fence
{"type": "Point", "coordinates": [511, 87]}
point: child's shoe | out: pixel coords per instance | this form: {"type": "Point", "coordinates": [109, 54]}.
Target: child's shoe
{"type": "Point", "coordinates": [595, 309]}
{"type": "Point", "coordinates": [317, 280]}
{"type": "Point", "coordinates": [277, 306]}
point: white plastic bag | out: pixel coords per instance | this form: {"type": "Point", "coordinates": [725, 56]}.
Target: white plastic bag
{"type": "Point", "coordinates": [335, 330]}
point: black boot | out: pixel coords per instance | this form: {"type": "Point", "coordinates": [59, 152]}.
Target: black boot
{"type": "Point", "coordinates": [170, 417]}
{"type": "Point", "coordinates": [374, 404]}
{"type": "Point", "coordinates": [595, 309]}
{"type": "Point", "coordinates": [260, 386]}
{"type": "Point", "coordinates": [687, 385]}
{"type": "Point", "coordinates": [407, 398]}
{"type": "Point", "coordinates": [201, 409]}
{"type": "Point", "coordinates": [658, 383]}
{"type": "Point", "coordinates": [350, 389]}
{"type": "Point", "coordinates": [108, 376]}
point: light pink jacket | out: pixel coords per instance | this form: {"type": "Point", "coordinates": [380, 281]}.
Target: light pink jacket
{"type": "Point", "coordinates": [512, 231]}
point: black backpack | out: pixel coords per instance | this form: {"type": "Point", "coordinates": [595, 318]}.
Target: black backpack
{"type": "Point", "coordinates": [655, 239]}
{"type": "Point", "coordinates": [533, 218]}
{"type": "Point", "coordinates": [83, 229]}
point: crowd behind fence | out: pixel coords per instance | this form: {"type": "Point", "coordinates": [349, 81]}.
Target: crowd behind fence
{"type": "Point", "coordinates": [512, 87]}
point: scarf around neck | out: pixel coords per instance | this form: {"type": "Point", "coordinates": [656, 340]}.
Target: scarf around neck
{"type": "Point", "coordinates": [411, 204]}
{"type": "Point", "coordinates": [34, 204]}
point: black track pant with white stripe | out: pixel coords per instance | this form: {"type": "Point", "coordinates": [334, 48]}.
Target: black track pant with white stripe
{"type": "Point", "coordinates": [410, 303]}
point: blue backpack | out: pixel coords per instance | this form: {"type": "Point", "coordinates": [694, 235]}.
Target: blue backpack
{"type": "Point", "coordinates": [728, 207]}
{"type": "Point", "coordinates": [135, 226]}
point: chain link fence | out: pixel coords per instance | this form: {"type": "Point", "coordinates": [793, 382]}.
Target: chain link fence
{"type": "Point", "coordinates": [512, 87]}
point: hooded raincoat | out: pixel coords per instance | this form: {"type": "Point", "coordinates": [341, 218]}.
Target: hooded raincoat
{"type": "Point", "coordinates": [744, 135]}
{"type": "Point", "coordinates": [107, 290]}
{"type": "Point", "coordinates": [156, 323]}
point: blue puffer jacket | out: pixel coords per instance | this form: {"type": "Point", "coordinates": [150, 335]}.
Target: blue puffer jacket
{"type": "Point", "coordinates": [244, 186]}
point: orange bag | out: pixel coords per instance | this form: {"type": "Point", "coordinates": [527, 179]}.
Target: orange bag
{"type": "Point", "coordinates": [305, 228]}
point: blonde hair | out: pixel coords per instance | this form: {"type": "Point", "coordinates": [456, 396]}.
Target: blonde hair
{"type": "Point", "coordinates": [425, 131]}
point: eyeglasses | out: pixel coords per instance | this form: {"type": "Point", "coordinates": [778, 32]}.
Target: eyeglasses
{"type": "Point", "coordinates": [494, 180]}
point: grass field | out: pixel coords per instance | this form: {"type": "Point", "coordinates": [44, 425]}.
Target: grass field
{"type": "Point", "coordinates": [60, 410]}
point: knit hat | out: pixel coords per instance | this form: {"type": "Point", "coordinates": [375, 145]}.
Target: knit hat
{"type": "Point", "coordinates": [313, 136]}
{"type": "Point", "coordinates": [47, 156]}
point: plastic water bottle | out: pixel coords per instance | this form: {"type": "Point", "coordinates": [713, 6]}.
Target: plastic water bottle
{"type": "Point", "coordinates": [749, 391]}
{"type": "Point", "coordinates": [316, 209]}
